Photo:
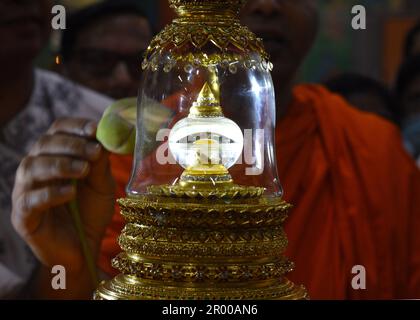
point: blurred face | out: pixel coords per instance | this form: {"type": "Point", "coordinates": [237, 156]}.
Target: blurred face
{"type": "Point", "coordinates": [107, 55]}
{"type": "Point", "coordinates": [24, 29]}
{"type": "Point", "coordinates": [288, 28]}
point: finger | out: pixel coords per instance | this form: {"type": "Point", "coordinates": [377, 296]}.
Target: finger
{"type": "Point", "coordinates": [66, 145]}
{"type": "Point", "coordinates": [100, 177]}
{"type": "Point", "coordinates": [35, 170]}
{"type": "Point", "coordinates": [30, 206]}
{"type": "Point", "coordinates": [76, 126]}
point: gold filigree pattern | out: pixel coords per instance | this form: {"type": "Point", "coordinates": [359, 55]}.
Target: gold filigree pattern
{"type": "Point", "coordinates": [197, 39]}
{"type": "Point", "coordinates": [173, 213]}
{"type": "Point", "coordinates": [127, 287]}
{"type": "Point", "coordinates": [214, 5]}
{"type": "Point", "coordinates": [232, 192]}
{"type": "Point", "coordinates": [199, 272]}
{"type": "Point", "coordinates": [169, 242]}
{"type": "Point", "coordinates": [186, 251]}
{"type": "Point", "coordinates": [226, 39]}
{"type": "Point", "coordinates": [209, 236]}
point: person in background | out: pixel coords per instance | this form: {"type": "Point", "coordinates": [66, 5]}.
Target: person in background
{"type": "Point", "coordinates": [354, 188]}
{"type": "Point", "coordinates": [30, 101]}
{"type": "Point", "coordinates": [103, 45]}
{"type": "Point", "coordinates": [407, 89]}
{"type": "Point", "coordinates": [365, 93]}
{"type": "Point", "coordinates": [412, 41]}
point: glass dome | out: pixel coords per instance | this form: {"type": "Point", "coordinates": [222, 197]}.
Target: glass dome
{"type": "Point", "coordinates": [206, 107]}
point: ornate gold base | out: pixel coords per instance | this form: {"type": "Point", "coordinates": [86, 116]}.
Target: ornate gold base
{"type": "Point", "coordinates": [178, 248]}
{"type": "Point", "coordinates": [129, 288]}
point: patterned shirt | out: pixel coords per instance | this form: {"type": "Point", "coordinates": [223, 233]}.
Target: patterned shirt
{"type": "Point", "coordinates": [53, 97]}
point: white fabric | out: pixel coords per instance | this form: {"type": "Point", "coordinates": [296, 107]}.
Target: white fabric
{"type": "Point", "coordinates": [53, 97]}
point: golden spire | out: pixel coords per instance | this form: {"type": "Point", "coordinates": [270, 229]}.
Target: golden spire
{"type": "Point", "coordinates": [206, 96]}
{"type": "Point", "coordinates": [206, 105]}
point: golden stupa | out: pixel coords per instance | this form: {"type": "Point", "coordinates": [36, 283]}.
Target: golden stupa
{"type": "Point", "coordinates": [203, 237]}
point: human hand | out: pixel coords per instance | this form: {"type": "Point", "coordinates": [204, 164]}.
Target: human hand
{"type": "Point", "coordinates": [43, 189]}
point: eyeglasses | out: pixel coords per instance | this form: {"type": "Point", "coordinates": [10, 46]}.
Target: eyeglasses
{"type": "Point", "coordinates": [102, 63]}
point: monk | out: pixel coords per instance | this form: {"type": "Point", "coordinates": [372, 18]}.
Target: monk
{"type": "Point", "coordinates": [356, 192]}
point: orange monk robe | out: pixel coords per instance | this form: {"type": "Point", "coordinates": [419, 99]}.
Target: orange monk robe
{"type": "Point", "coordinates": [356, 197]}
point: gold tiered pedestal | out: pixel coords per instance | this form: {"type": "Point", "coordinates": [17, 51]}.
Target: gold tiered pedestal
{"type": "Point", "coordinates": [197, 248]}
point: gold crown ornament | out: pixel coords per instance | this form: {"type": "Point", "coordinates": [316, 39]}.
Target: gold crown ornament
{"type": "Point", "coordinates": [205, 33]}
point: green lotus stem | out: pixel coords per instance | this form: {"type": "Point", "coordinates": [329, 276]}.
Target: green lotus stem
{"type": "Point", "coordinates": [87, 252]}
